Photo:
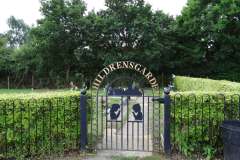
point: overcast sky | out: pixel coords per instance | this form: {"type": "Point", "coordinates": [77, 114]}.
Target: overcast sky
{"type": "Point", "coordinates": [28, 10]}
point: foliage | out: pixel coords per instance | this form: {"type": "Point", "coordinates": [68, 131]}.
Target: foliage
{"type": "Point", "coordinates": [33, 126]}
{"type": "Point", "coordinates": [199, 107]}
{"type": "Point", "coordinates": [208, 85]}
{"type": "Point", "coordinates": [196, 119]}
{"type": "Point", "coordinates": [208, 32]}
{"type": "Point", "coordinates": [5, 59]}
{"type": "Point", "coordinates": [17, 35]}
{"type": "Point", "coordinates": [59, 33]}
{"type": "Point", "coordinates": [69, 44]}
{"type": "Point", "coordinates": [67, 40]}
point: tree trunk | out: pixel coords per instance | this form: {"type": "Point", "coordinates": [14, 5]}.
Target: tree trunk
{"type": "Point", "coordinates": [67, 74]}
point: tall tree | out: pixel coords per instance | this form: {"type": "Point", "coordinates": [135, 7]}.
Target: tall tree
{"type": "Point", "coordinates": [209, 32]}
{"type": "Point", "coordinates": [129, 30]}
{"type": "Point", "coordinates": [5, 56]}
{"type": "Point", "coordinates": [17, 35]}
{"type": "Point", "coordinates": [58, 34]}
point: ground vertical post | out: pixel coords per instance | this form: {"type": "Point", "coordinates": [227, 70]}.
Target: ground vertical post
{"type": "Point", "coordinates": [167, 118]}
{"type": "Point", "coordinates": [83, 121]}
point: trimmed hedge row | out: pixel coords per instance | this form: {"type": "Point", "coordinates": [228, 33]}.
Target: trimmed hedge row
{"type": "Point", "coordinates": [32, 125]}
{"type": "Point", "coordinates": [200, 84]}
{"type": "Point", "coordinates": [198, 109]}
{"type": "Point", "coordinates": [196, 120]}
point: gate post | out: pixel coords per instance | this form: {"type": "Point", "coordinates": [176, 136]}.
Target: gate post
{"type": "Point", "coordinates": [167, 118]}
{"type": "Point", "coordinates": [83, 120]}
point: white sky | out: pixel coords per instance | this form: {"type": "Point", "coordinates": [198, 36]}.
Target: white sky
{"type": "Point", "coordinates": [28, 10]}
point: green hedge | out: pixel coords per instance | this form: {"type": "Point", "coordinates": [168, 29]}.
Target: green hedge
{"type": "Point", "coordinates": [32, 125]}
{"type": "Point", "coordinates": [196, 119]}
{"type": "Point", "coordinates": [200, 84]}
{"type": "Point", "coordinates": [199, 107]}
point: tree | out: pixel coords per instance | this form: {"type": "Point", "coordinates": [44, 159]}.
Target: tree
{"type": "Point", "coordinates": [58, 34]}
{"type": "Point", "coordinates": [17, 35]}
{"type": "Point", "coordinates": [209, 33]}
{"type": "Point", "coordinates": [5, 57]}
{"type": "Point", "coordinates": [129, 30]}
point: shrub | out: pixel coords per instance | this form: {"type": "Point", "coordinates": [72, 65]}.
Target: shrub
{"type": "Point", "coordinates": [36, 124]}
{"type": "Point", "coordinates": [201, 84]}
{"type": "Point", "coordinates": [196, 119]}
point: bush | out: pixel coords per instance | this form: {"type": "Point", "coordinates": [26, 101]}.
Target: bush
{"type": "Point", "coordinates": [201, 84]}
{"type": "Point", "coordinates": [36, 124]}
{"type": "Point", "coordinates": [196, 119]}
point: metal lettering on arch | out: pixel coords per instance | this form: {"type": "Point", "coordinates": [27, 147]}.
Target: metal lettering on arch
{"type": "Point", "coordinates": [125, 65]}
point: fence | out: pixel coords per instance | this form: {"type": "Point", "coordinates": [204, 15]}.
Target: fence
{"type": "Point", "coordinates": [36, 127]}
{"type": "Point", "coordinates": [196, 120]}
{"type": "Point", "coordinates": [32, 128]}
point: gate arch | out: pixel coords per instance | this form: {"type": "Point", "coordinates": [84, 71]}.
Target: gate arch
{"type": "Point", "coordinates": [125, 118]}
{"type": "Point", "coordinates": [125, 65]}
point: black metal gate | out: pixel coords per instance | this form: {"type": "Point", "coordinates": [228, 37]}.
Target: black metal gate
{"type": "Point", "coordinates": [126, 123]}
{"type": "Point", "coordinates": [127, 120]}
{"type": "Point", "coordinates": [126, 111]}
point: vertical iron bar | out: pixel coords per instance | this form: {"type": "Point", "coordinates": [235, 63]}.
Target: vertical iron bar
{"type": "Point", "coordinates": [127, 123]}
{"type": "Point", "coordinates": [50, 123]}
{"type": "Point", "coordinates": [70, 124]}
{"type": "Point", "coordinates": [29, 131]}
{"type": "Point", "coordinates": [36, 126]}
{"type": "Point", "coordinates": [174, 119]}
{"type": "Point", "coordinates": [202, 123]}
{"type": "Point", "coordinates": [57, 104]}
{"type": "Point", "coordinates": [21, 118]}
{"type": "Point", "coordinates": [64, 123]}
{"type": "Point", "coordinates": [83, 130]}
{"type": "Point", "coordinates": [106, 122]}
{"type": "Point", "coordinates": [78, 116]}
{"type": "Point", "coordinates": [137, 135]}
{"type": "Point", "coordinates": [188, 117]}
{"type": "Point", "coordinates": [116, 140]}
{"type": "Point", "coordinates": [111, 135]}
{"type": "Point", "coordinates": [143, 137]}
{"type": "Point", "coordinates": [181, 124]}
{"type": "Point", "coordinates": [43, 122]}
{"type": "Point", "coordinates": [122, 123]}
{"type": "Point", "coordinates": [153, 124]}
{"type": "Point", "coordinates": [148, 125]}
{"type": "Point", "coordinates": [92, 114]}
{"type": "Point", "coordinates": [97, 123]}
{"type": "Point", "coordinates": [102, 119]}
{"type": "Point", "coordinates": [13, 114]}
{"type": "Point", "coordinates": [209, 122]}
{"type": "Point", "coordinates": [6, 129]}
{"type": "Point", "coordinates": [132, 135]}
{"type": "Point", "coordinates": [76, 120]}
{"type": "Point", "coordinates": [231, 108]}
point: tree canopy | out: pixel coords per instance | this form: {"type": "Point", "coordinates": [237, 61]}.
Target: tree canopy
{"type": "Point", "coordinates": [71, 44]}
